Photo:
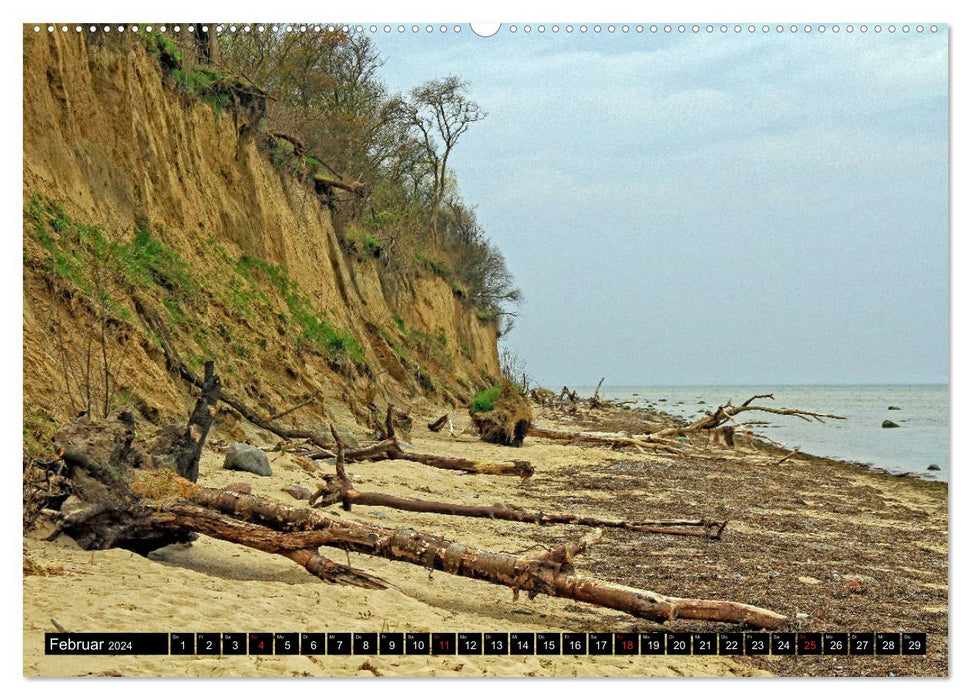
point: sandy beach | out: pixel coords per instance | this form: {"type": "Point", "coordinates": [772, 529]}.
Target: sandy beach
{"type": "Point", "coordinates": [830, 545]}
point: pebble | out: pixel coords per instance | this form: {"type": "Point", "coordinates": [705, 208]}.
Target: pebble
{"type": "Point", "coordinates": [774, 574]}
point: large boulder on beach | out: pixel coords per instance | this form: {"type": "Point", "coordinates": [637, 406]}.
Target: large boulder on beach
{"type": "Point", "coordinates": [502, 414]}
{"type": "Point", "coordinates": [889, 424]}
{"type": "Point", "coordinates": [246, 458]}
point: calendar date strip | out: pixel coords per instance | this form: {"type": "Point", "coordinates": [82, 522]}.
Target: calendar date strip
{"type": "Point", "coordinates": [485, 643]}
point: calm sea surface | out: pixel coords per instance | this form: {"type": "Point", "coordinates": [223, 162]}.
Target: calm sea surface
{"type": "Point", "coordinates": [921, 439]}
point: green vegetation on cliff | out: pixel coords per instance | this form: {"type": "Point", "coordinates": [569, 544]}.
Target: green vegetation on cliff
{"type": "Point", "coordinates": [111, 272]}
{"type": "Point", "coordinates": [380, 161]}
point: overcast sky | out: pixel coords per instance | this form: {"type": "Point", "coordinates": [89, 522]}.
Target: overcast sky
{"type": "Point", "coordinates": [710, 209]}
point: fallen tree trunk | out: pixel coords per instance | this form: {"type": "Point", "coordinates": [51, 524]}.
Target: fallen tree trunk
{"type": "Point", "coordinates": [551, 574]}
{"type": "Point", "coordinates": [338, 488]}
{"type": "Point", "coordinates": [191, 518]}
{"type": "Point", "coordinates": [516, 467]}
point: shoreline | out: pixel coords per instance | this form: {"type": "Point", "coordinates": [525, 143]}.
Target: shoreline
{"type": "Point", "coordinates": [792, 527]}
{"type": "Point", "coordinates": [923, 439]}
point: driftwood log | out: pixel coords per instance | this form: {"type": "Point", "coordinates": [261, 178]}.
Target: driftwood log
{"type": "Point", "coordinates": [391, 449]}
{"type": "Point", "coordinates": [438, 424]}
{"type": "Point", "coordinates": [339, 489]}
{"type": "Point", "coordinates": [613, 441]}
{"type": "Point", "coordinates": [551, 573]}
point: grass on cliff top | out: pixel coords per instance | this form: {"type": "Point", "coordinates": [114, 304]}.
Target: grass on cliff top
{"type": "Point", "coordinates": [202, 82]}
{"type": "Point", "coordinates": [363, 244]}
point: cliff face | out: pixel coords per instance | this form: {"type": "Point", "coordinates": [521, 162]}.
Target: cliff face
{"type": "Point", "coordinates": [242, 262]}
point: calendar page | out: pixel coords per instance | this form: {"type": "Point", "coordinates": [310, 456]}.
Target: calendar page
{"type": "Point", "coordinates": [504, 350]}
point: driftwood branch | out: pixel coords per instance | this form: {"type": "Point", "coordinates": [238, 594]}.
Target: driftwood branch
{"type": "Point", "coordinates": [288, 411]}
{"type": "Point", "coordinates": [340, 489]}
{"type": "Point", "coordinates": [726, 413]}
{"type": "Point", "coordinates": [175, 365]}
{"type": "Point", "coordinates": [595, 401]}
{"type": "Point", "coordinates": [438, 424]}
{"type": "Point", "coordinates": [708, 529]}
{"type": "Point", "coordinates": [391, 449]}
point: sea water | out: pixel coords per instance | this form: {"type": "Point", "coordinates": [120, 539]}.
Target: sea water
{"type": "Point", "coordinates": [920, 441]}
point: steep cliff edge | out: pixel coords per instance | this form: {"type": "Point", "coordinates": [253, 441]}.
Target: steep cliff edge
{"type": "Point", "coordinates": [133, 191]}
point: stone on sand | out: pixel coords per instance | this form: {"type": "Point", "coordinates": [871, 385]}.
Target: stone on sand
{"type": "Point", "coordinates": [246, 458]}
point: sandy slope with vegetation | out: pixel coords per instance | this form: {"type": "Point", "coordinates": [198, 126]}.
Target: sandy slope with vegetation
{"type": "Point", "coordinates": [850, 549]}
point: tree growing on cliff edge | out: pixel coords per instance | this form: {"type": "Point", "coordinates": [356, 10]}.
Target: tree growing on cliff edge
{"type": "Point", "coordinates": [330, 110]}
{"type": "Point", "coordinates": [326, 92]}
{"type": "Point", "coordinates": [440, 111]}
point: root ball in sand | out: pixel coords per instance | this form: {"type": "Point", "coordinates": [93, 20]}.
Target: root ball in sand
{"type": "Point", "coordinates": [502, 414]}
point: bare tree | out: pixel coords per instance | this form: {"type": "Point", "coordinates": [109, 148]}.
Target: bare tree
{"type": "Point", "coordinates": [440, 111]}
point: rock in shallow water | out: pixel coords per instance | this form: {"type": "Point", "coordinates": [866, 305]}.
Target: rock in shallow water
{"type": "Point", "coordinates": [889, 424]}
{"type": "Point", "coordinates": [933, 468]}
{"type": "Point", "coordinates": [246, 458]}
